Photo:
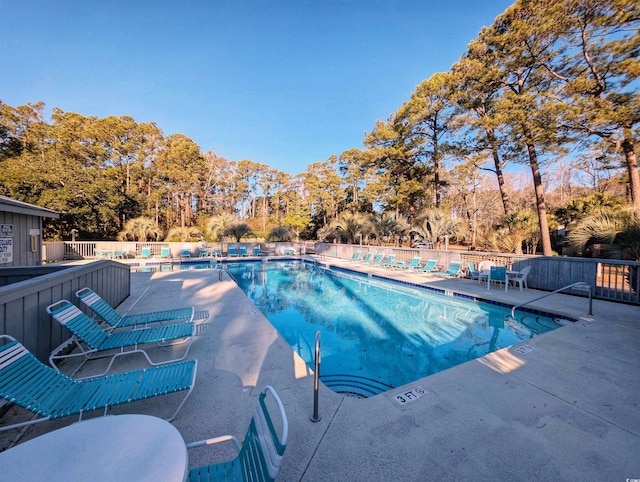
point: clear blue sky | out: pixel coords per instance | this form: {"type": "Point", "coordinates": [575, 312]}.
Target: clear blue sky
{"type": "Point", "coordinates": [283, 83]}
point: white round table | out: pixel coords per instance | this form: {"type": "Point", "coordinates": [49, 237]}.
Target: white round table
{"type": "Point", "coordinates": [111, 448]}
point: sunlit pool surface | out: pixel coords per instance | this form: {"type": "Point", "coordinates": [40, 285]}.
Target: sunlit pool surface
{"type": "Point", "coordinates": [375, 334]}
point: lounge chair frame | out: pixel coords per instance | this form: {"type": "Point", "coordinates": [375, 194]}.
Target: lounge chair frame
{"type": "Point", "coordinates": [429, 267]}
{"type": "Point", "coordinates": [411, 265]}
{"type": "Point", "coordinates": [453, 271]}
{"type": "Point", "coordinates": [27, 382]}
{"type": "Point", "coordinates": [107, 313]}
{"type": "Point", "coordinates": [367, 258]}
{"type": "Point", "coordinates": [92, 341]}
{"type": "Point", "coordinates": [260, 455]}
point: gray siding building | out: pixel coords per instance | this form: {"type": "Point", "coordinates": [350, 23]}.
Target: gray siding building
{"type": "Point", "coordinates": [21, 232]}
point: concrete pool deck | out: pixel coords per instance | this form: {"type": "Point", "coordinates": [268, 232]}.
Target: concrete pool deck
{"type": "Point", "coordinates": [561, 406]}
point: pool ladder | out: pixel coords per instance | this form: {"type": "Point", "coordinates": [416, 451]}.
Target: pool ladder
{"type": "Point", "coordinates": [316, 379]}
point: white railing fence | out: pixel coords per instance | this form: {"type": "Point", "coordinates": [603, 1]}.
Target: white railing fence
{"type": "Point", "coordinates": [613, 280]}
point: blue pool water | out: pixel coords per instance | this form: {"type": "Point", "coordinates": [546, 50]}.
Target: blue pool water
{"type": "Point", "coordinates": [376, 334]}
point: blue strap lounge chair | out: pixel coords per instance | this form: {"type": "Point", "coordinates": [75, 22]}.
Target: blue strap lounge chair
{"type": "Point", "coordinates": [185, 253]}
{"type": "Point", "coordinates": [93, 341]}
{"type": "Point", "coordinates": [453, 271]}
{"type": "Point", "coordinates": [232, 251]}
{"type": "Point", "coordinates": [356, 256]}
{"type": "Point", "coordinates": [260, 455]}
{"type": "Point", "coordinates": [165, 252]}
{"type": "Point", "coordinates": [104, 310]}
{"type": "Point", "coordinates": [256, 251]}
{"type": "Point", "coordinates": [378, 259]}
{"type": "Point", "coordinates": [409, 266]}
{"type": "Point", "coordinates": [389, 260]}
{"type": "Point", "coordinates": [367, 258]}
{"type": "Point", "coordinates": [145, 252]}
{"type": "Point", "coordinates": [430, 266]}
{"type": "Point", "coordinates": [473, 274]}
{"type": "Point", "coordinates": [27, 382]}
{"type": "Point", "coordinates": [243, 251]}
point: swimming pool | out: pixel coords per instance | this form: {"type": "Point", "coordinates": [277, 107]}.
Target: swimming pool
{"type": "Point", "coordinates": [377, 334]}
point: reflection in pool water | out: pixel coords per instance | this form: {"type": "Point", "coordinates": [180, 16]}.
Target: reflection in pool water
{"type": "Point", "coordinates": [377, 334]}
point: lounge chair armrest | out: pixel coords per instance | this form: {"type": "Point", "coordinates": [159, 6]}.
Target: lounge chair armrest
{"type": "Point", "coordinates": [215, 440]}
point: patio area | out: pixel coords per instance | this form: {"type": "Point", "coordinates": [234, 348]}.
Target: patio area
{"type": "Point", "coordinates": [561, 406]}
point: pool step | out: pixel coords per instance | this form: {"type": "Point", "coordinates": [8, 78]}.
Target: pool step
{"type": "Point", "coordinates": [354, 386]}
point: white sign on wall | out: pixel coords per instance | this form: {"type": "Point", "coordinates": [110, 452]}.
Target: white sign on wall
{"type": "Point", "coordinates": [6, 250]}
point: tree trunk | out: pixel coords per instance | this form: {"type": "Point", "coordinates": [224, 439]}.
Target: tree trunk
{"type": "Point", "coordinates": [264, 212]}
{"type": "Point", "coordinates": [545, 236]}
{"type": "Point", "coordinates": [496, 161]}
{"type": "Point", "coordinates": [436, 165]}
{"type": "Point", "coordinates": [632, 169]}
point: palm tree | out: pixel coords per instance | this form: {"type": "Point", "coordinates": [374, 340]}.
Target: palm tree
{"type": "Point", "coordinates": [186, 234]}
{"type": "Point", "coordinates": [517, 228]}
{"type": "Point", "coordinates": [238, 231]}
{"type": "Point", "coordinates": [216, 226]}
{"type": "Point", "coordinates": [351, 226]}
{"type": "Point", "coordinates": [280, 233]}
{"type": "Point", "coordinates": [618, 233]}
{"type": "Point", "coordinates": [140, 229]}
{"type": "Point", "coordinates": [434, 224]}
{"type": "Point", "coordinates": [386, 226]}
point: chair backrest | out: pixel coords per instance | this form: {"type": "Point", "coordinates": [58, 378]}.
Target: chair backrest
{"type": "Point", "coordinates": [185, 252]}
{"type": "Point", "coordinates": [78, 323]}
{"type": "Point", "coordinates": [525, 272]}
{"type": "Point", "coordinates": [146, 251]}
{"type": "Point", "coordinates": [232, 250]}
{"type": "Point", "coordinates": [378, 258]}
{"type": "Point", "coordinates": [472, 270]}
{"type": "Point", "coordinates": [25, 380]}
{"type": "Point", "coordinates": [100, 307]}
{"type": "Point", "coordinates": [389, 259]}
{"type": "Point", "coordinates": [368, 257]}
{"type": "Point", "coordinates": [415, 261]}
{"type": "Point", "coordinates": [498, 273]}
{"type": "Point", "coordinates": [256, 250]}
{"type": "Point", "coordinates": [165, 251]}
{"type": "Point", "coordinates": [430, 265]}
{"type": "Point", "coordinates": [262, 449]}
{"type": "Point", "coordinates": [454, 266]}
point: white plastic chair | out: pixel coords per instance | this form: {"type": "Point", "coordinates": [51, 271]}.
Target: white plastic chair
{"type": "Point", "coordinates": [521, 277]}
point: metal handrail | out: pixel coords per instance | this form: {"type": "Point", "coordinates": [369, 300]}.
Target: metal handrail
{"type": "Point", "coordinates": [316, 380]}
{"type": "Point", "coordinates": [573, 285]}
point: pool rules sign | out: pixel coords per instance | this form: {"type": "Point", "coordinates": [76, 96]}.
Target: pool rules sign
{"type": "Point", "coordinates": [6, 243]}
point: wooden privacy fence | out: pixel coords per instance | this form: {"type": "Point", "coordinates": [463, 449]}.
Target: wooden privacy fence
{"type": "Point", "coordinates": [23, 300]}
